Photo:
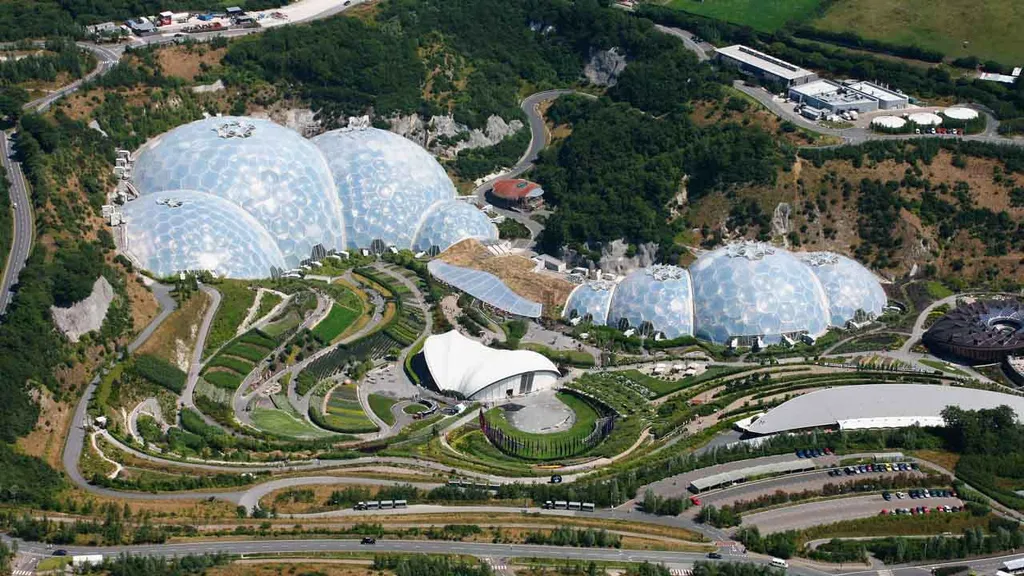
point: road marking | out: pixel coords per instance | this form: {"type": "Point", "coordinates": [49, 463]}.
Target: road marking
{"type": "Point", "coordinates": [885, 573]}
{"type": "Point", "coordinates": [680, 572]}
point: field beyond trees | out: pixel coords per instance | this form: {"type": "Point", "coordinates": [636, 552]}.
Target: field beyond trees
{"type": "Point", "coordinates": [991, 28]}
{"type": "Point", "coordinates": [764, 15]}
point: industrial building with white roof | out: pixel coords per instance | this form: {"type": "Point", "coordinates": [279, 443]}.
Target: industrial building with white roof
{"type": "Point", "coordinates": [875, 406]}
{"type": "Point", "coordinates": [761, 65]}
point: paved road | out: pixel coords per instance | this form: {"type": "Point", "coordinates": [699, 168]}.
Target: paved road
{"type": "Point", "coordinates": [687, 38]}
{"type": "Point", "coordinates": [828, 511]}
{"type": "Point", "coordinates": [479, 550]}
{"type": "Point", "coordinates": [21, 245]}
{"type": "Point", "coordinates": [106, 57]}
{"type": "Point", "coordinates": [186, 400]}
{"type": "Point", "coordinates": [168, 304]}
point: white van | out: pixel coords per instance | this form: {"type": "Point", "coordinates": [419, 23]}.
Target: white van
{"type": "Point", "coordinates": [779, 563]}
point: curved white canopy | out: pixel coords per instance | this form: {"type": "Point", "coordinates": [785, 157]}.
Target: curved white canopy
{"type": "Point", "coordinates": [462, 365]}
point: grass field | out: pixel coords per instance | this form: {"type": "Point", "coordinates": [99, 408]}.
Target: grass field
{"type": "Point", "coordinates": [236, 298]}
{"type": "Point", "coordinates": [992, 27]}
{"type": "Point", "coordinates": [766, 15]}
{"type": "Point", "coordinates": [267, 303]}
{"type": "Point", "coordinates": [336, 322]}
{"type": "Point", "coordinates": [586, 417]}
{"type": "Point", "coordinates": [414, 408]}
{"type": "Point", "coordinates": [572, 357]}
{"type": "Point", "coordinates": [381, 406]}
{"type": "Point", "coordinates": [944, 366]}
{"type": "Point", "coordinates": [344, 413]}
{"type": "Point", "coordinates": [281, 423]}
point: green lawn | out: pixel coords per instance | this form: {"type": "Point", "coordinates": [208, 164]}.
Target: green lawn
{"type": "Point", "coordinates": [991, 28]}
{"type": "Point", "coordinates": [337, 320]}
{"type": "Point", "coordinates": [765, 15]}
{"type": "Point", "coordinates": [572, 357]}
{"type": "Point", "coordinates": [235, 300]}
{"type": "Point", "coordinates": [937, 290]}
{"type": "Point", "coordinates": [267, 303]}
{"type": "Point", "coordinates": [414, 408]}
{"type": "Point", "coordinates": [281, 423]}
{"type": "Point", "coordinates": [381, 406]}
{"type": "Point", "coordinates": [287, 322]}
{"type": "Point", "coordinates": [945, 367]}
{"type": "Point", "coordinates": [662, 387]}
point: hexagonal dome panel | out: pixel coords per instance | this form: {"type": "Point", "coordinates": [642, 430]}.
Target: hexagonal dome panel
{"type": "Point", "coordinates": [659, 295]}
{"type": "Point", "coordinates": [451, 222]}
{"type": "Point", "coordinates": [170, 232]}
{"type": "Point", "coordinates": [591, 299]}
{"type": "Point", "coordinates": [387, 184]}
{"type": "Point", "coordinates": [853, 291]}
{"type": "Point", "coordinates": [273, 173]}
{"type": "Point", "coordinates": [754, 289]}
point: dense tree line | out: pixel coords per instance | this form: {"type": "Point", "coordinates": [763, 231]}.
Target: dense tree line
{"type": "Point", "coordinates": [578, 537]}
{"type": "Point", "coordinates": [420, 565]}
{"type": "Point", "coordinates": [60, 56]}
{"type": "Point", "coordinates": [991, 448]}
{"type": "Point", "coordinates": [618, 173]}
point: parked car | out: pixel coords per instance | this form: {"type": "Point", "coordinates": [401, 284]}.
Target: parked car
{"type": "Point", "coordinates": [368, 540]}
{"type": "Point", "coordinates": [887, 495]}
{"type": "Point", "coordinates": [694, 500]}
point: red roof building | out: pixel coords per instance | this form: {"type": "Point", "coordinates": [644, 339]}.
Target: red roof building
{"type": "Point", "coordinates": [518, 191]}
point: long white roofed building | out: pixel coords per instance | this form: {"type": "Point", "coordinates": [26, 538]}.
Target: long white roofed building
{"type": "Point", "coordinates": [476, 372]}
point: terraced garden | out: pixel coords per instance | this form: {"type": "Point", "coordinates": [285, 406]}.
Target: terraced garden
{"type": "Point", "coordinates": [344, 414]}
{"type": "Point", "coordinates": [235, 361]}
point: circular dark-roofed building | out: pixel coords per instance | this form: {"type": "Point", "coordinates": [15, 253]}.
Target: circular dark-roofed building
{"type": "Point", "coordinates": [983, 331]}
{"type": "Point", "coordinates": [517, 193]}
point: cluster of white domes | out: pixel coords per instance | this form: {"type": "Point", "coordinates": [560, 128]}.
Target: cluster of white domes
{"type": "Point", "coordinates": [741, 290]}
{"type": "Point", "coordinates": [345, 189]}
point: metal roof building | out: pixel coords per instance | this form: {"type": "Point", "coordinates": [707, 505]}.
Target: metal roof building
{"type": "Point", "coordinates": [485, 287]}
{"type": "Point", "coordinates": [725, 478]}
{"type": "Point", "coordinates": [761, 65]}
{"type": "Point", "coordinates": [877, 406]}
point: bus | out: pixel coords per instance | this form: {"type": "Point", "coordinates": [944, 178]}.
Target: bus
{"type": "Point", "coordinates": [401, 503]}
{"type": "Point", "coordinates": [575, 506]}
{"type": "Point", "coordinates": [386, 504]}
{"type": "Point", "coordinates": [561, 504]}
{"type": "Point", "coordinates": [588, 506]}
{"type": "Point", "coordinates": [373, 505]}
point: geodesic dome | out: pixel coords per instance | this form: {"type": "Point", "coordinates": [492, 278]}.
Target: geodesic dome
{"type": "Point", "coordinates": [591, 299]}
{"type": "Point", "coordinates": [170, 232]}
{"type": "Point", "coordinates": [269, 171]}
{"type": "Point", "coordinates": [660, 296]}
{"type": "Point", "coordinates": [387, 184]}
{"type": "Point", "coordinates": [451, 222]}
{"type": "Point", "coordinates": [849, 287]}
{"type": "Point", "coordinates": [753, 289]}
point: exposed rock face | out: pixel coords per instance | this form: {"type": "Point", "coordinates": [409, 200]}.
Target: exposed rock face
{"type": "Point", "coordinates": [780, 219]}
{"type": "Point", "coordinates": [445, 137]}
{"type": "Point", "coordinates": [206, 88]}
{"type": "Point", "coordinates": [302, 120]}
{"type": "Point", "coordinates": [614, 258]}
{"type": "Point", "coordinates": [604, 67]}
{"type": "Point", "coordinates": [87, 315]}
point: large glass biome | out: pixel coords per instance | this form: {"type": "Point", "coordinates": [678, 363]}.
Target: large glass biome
{"type": "Point", "coordinates": [270, 171]}
{"type": "Point", "coordinates": [752, 289]}
{"type": "Point", "coordinates": [658, 298]}
{"type": "Point", "coordinates": [590, 301]}
{"type": "Point", "coordinates": [175, 231]}
{"type": "Point", "coordinates": [387, 184]}
{"type": "Point", "coordinates": [853, 292]}
{"type": "Point", "coordinates": [450, 222]}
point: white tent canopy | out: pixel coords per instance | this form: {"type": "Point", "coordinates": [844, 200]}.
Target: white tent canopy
{"type": "Point", "coordinates": [459, 364]}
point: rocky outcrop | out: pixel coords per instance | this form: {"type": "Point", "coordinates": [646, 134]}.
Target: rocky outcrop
{"type": "Point", "coordinates": [604, 67]}
{"type": "Point", "coordinates": [87, 315]}
{"type": "Point", "coordinates": [445, 137]}
{"type": "Point", "coordinates": [615, 257]}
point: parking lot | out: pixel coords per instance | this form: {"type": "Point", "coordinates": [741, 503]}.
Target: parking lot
{"type": "Point", "coordinates": [835, 510]}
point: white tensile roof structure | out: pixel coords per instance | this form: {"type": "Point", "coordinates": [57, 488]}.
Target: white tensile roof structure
{"type": "Point", "coordinates": [460, 364]}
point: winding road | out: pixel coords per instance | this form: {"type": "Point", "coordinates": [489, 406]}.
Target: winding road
{"type": "Point", "coordinates": [24, 233]}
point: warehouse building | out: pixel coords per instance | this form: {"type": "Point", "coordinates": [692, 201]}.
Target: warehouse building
{"type": "Point", "coordinates": [763, 66]}
{"type": "Point", "coordinates": [836, 98]}
{"type": "Point", "coordinates": [831, 97]}
{"type": "Point", "coordinates": [874, 406]}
